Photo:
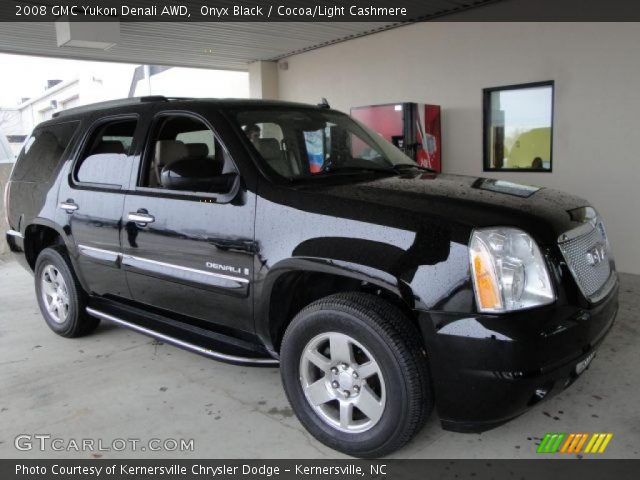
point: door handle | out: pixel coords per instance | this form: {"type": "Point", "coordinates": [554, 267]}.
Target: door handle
{"type": "Point", "coordinates": [141, 217]}
{"type": "Point", "coordinates": [69, 206]}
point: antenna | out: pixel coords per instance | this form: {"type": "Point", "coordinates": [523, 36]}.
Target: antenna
{"type": "Point", "coordinates": [324, 103]}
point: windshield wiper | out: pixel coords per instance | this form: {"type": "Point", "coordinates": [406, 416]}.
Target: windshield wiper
{"type": "Point", "coordinates": [399, 167]}
{"type": "Point", "coordinates": [343, 171]}
{"type": "Point", "coordinates": [347, 169]}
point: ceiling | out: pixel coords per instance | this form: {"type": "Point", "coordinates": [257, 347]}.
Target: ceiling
{"type": "Point", "coordinates": [219, 45]}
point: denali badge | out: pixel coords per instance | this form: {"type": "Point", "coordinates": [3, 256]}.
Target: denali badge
{"type": "Point", "coordinates": [227, 268]}
{"type": "Point", "coordinates": [596, 254]}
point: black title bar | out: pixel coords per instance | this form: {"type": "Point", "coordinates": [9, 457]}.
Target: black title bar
{"type": "Point", "coordinates": [388, 11]}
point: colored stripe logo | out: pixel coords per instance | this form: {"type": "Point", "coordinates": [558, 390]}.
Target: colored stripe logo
{"type": "Point", "coordinates": [574, 443]}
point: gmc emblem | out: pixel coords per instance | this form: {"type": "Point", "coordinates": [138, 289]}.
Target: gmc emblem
{"type": "Point", "coordinates": [596, 254]}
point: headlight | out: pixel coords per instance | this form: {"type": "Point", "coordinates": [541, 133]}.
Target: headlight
{"type": "Point", "coordinates": [509, 272]}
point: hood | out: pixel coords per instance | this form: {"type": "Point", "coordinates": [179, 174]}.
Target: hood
{"type": "Point", "coordinates": [468, 202]}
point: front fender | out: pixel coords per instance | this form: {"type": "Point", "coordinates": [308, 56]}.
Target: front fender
{"type": "Point", "coordinates": [341, 268]}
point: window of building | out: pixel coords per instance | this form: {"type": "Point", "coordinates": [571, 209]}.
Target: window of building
{"type": "Point", "coordinates": [185, 155]}
{"type": "Point", "coordinates": [105, 160]}
{"type": "Point", "coordinates": [518, 127]}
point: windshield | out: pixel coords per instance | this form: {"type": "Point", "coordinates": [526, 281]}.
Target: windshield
{"type": "Point", "coordinates": [302, 143]}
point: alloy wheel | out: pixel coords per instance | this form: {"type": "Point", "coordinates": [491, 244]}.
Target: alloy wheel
{"type": "Point", "coordinates": [342, 382]}
{"type": "Point", "coordinates": [55, 293]}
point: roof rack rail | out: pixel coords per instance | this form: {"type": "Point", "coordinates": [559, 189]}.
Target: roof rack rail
{"type": "Point", "coordinates": [122, 102]}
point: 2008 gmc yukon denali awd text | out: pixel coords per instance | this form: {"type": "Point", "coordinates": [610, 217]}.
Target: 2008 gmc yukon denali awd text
{"type": "Point", "coordinates": [381, 289]}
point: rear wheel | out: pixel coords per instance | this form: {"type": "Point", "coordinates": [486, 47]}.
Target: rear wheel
{"type": "Point", "coordinates": [60, 297]}
{"type": "Point", "coordinates": [355, 374]}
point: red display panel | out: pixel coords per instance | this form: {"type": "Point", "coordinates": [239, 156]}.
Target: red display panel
{"type": "Point", "coordinates": [387, 120]}
{"type": "Point", "coordinates": [428, 137]}
{"type": "Point", "coordinates": [412, 127]}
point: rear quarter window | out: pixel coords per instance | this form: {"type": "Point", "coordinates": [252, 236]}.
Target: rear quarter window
{"type": "Point", "coordinates": [42, 152]}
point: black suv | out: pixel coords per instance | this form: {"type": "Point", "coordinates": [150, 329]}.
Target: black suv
{"type": "Point", "coordinates": [266, 233]}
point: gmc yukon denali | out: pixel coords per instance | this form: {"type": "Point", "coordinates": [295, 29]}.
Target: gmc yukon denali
{"type": "Point", "coordinates": [272, 233]}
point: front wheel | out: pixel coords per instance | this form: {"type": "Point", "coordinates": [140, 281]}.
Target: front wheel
{"type": "Point", "coordinates": [355, 374]}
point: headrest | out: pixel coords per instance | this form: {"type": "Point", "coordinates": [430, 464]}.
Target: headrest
{"type": "Point", "coordinates": [269, 147]}
{"type": "Point", "coordinates": [168, 151]}
{"type": "Point", "coordinates": [108, 146]}
{"type": "Point", "coordinates": [197, 149]}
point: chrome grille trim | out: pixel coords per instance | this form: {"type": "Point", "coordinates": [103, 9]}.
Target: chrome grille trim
{"type": "Point", "coordinates": [577, 232]}
{"type": "Point", "coordinates": [606, 288]}
{"type": "Point", "coordinates": [594, 281]}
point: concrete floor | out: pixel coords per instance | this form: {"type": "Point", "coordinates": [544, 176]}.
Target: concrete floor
{"type": "Point", "coordinates": [119, 384]}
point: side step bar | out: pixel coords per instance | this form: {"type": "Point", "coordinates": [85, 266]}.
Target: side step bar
{"type": "Point", "coordinates": [262, 362]}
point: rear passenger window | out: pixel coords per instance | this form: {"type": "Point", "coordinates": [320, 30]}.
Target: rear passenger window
{"type": "Point", "coordinates": [184, 154]}
{"type": "Point", "coordinates": [105, 159]}
{"type": "Point", "coordinates": [42, 152]}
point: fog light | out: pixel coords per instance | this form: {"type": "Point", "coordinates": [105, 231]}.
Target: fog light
{"type": "Point", "coordinates": [541, 393]}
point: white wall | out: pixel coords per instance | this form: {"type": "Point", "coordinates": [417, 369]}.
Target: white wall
{"type": "Point", "coordinates": [10, 124]}
{"type": "Point", "coordinates": [196, 82]}
{"type": "Point", "coordinates": [6, 153]}
{"type": "Point", "coordinates": [596, 68]}
{"type": "Point", "coordinates": [263, 80]}
{"type": "Point", "coordinates": [95, 84]}
{"type": "Point", "coordinates": [40, 108]}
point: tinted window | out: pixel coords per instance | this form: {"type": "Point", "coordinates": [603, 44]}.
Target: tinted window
{"type": "Point", "coordinates": [303, 143]}
{"type": "Point", "coordinates": [42, 152]}
{"type": "Point", "coordinates": [106, 158]}
{"type": "Point", "coordinates": [198, 138]}
{"type": "Point", "coordinates": [184, 154]}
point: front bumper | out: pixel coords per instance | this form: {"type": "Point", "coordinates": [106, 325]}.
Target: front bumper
{"type": "Point", "coordinates": [488, 369]}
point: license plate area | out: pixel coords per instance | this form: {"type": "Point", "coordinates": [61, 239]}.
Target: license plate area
{"type": "Point", "coordinates": [583, 364]}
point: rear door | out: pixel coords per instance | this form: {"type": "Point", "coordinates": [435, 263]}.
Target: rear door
{"type": "Point", "coordinates": [92, 201]}
{"type": "Point", "coordinates": [188, 248]}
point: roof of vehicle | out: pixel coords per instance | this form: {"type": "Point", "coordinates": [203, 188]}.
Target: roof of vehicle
{"type": "Point", "coordinates": [217, 102]}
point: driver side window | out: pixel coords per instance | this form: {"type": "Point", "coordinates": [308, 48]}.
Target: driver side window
{"type": "Point", "coordinates": [184, 155]}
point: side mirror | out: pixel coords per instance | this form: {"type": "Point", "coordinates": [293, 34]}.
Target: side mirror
{"type": "Point", "coordinates": [197, 175]}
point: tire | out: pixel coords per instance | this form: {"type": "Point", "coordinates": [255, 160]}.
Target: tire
{"type": "Point", "coordinates": [396, 400]}
{"type": "Point", "coordinates": [61, 299]}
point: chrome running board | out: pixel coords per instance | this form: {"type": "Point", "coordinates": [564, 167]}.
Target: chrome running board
{"type": "Point", "coordinates": [263, 362]}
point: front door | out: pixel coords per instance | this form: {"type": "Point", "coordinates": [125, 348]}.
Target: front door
{"type": "Point", "coordinates": [189, 226]}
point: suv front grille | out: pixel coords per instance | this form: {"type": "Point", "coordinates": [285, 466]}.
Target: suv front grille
{"type": "Point", "coordinates": [583, 254]}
